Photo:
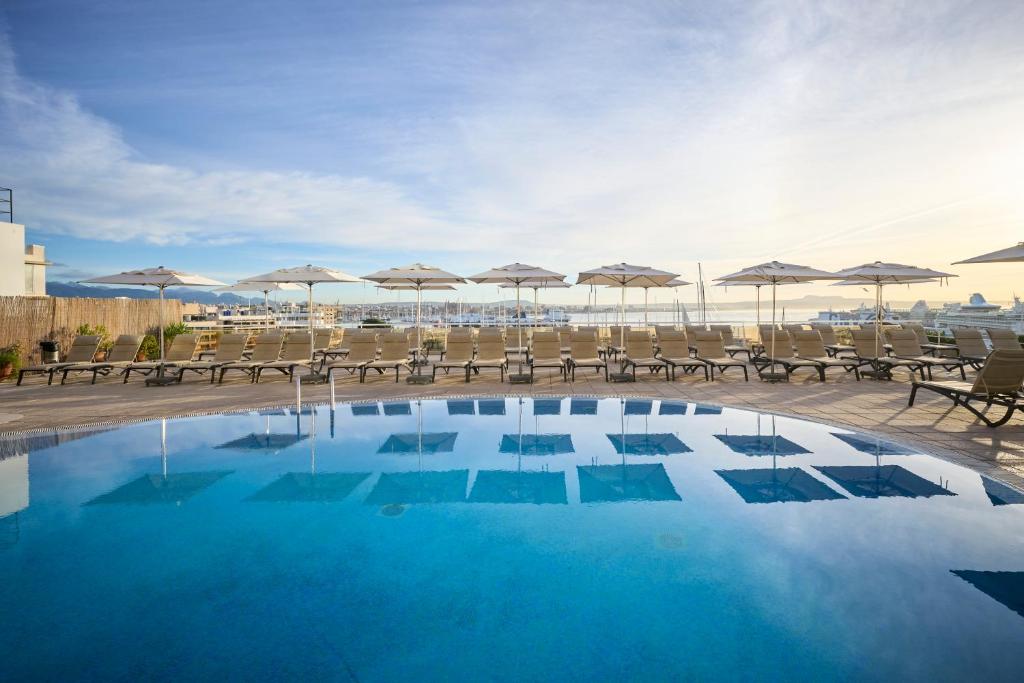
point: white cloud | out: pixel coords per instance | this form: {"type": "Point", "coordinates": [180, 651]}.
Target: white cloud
{"type": "Point", "coordinates": [829, 133]}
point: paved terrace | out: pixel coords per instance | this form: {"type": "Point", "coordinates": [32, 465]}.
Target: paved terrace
{"type": "Point", "coordinates": [932, 425]}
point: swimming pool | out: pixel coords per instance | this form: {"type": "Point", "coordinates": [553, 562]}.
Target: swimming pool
{"type": "Point", "coordinates": [502, 539]}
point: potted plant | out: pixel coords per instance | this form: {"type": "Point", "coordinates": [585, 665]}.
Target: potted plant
{"type": "Point", "coordinates": [150, 349]}
{"type": "Point", "coordinates": [10, 360]}
{"type": "Point", "coordinates": [100, 331]}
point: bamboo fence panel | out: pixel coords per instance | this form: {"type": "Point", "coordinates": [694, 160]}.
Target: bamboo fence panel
{"type": "Point", "coordinates": [27, 320]}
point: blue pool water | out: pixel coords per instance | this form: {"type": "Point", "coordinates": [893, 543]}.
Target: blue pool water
{"type": "Point", "coordinates": [499, 539]}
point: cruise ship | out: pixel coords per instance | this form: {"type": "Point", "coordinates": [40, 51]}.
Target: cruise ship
{"type": "Point", "coordinates": [978, 312]}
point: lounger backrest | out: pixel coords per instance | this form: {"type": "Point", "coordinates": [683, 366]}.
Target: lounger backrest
{"type": "Point", "coordinates": [1002, 373]}
{"type": "Point", "coordinates": [230, 347]}
{"type": "Point", "coordinates": [671, 335]}
{"type": "Point", "coordinates": [589, 328]}
{"type": "Point", "coordinates": [490, 348]}
{"type": "Point", "coordinates": [793, 328]}
{"type": "Point", "coordinates": [918, 330]}
{"type": "Point", "coordinates": [674, 346]}
{"type": "Point", "coordinates": [765, 331]}
{"type": "Point", "coordinates": [394, 347]}
{"type": "Point", "coordinates": [268, 347]}
{"type": "Point", "coordinates": [783, 345]}
{"type": "Point", "coordinates": [867, 345]}
{"type": "Point", "coordinates": [662, 329]}
{"type": "Point", "coordinates": [970, 342]}
{"type": "Point", "coordinates": [809, 344]}
{"type": "Point", "coordinates": [182, 347]}
{"type": "Point", "coordinates": [362, 348]}
{"type": "Point", "coordinates": [692, 330]}
{"type": "Point", "coordinates": [727, 336]}
{"type": "Point", "coordinates": [323, 337]}
{"type": "Point", "coordinates": [616, 333]}
{"type": "Point", "coordinates": [565, 337]}
{"type": "Point", "coordinates": [904, 342]}
{"type": "Point", "coordinates": [638, 345]}
{"type": "Point", "coordinates": [83, 348]}
{"type": "Point", "coordinates": [459, 350]}
{"type": "Point", "coordinates": [546, 346]}
{"type": "Point", "coordinates": [828, 334]}
{"type": "Point", "coordinates": [1003, 339]}
{"type": "Point", "coordinates": [460, 333]}
{"type": "Point", "coordinates": [583, 345]}
{"type": "Point", "coordinates": [126, 348]}
{"type": "Point", "coordinates": [709, 344]}
{"type": "Point", "coordinates": [296, 346]}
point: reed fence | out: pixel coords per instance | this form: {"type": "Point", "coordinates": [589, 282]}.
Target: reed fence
{"type": "Point", "coordinates": [28, 320]}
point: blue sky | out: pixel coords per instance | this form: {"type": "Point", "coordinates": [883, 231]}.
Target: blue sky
{"type": "Point", "coordinates": [232, 138]}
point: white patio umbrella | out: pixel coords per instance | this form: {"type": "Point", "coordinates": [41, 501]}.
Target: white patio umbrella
{"type": "Point", "coordinates": [881, 274]}
{"type": "Point", "coordinates": [265, 287]}
{"type": "Point", "coordinates": [1008, 255]}
{"type": "Point", "coordinates": [308, 276]}
{"type": "Point", "coordinates": [536, 287]}
{"type": "Point", "coordinates": [775, 273]}
{"type": "Point", "coordinates": [516, 274]}
{"type": "Point", "coordinates": [624, 275]}
{"type": "Point", "coordinates": [417, 276]}
{"type": "Point", "coordinates": [158, 277]}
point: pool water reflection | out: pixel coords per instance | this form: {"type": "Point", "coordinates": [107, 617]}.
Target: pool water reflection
{"type": "Point", "coordinates": [502, 539]}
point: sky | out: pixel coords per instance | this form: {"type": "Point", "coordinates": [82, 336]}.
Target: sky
{"type": "Point", "coordinates": [233, 138]}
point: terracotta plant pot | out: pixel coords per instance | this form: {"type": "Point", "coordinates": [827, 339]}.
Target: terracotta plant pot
{"type": "Point", "coordinates": [6, 369]}
{"type": "Point", "coordinates": [100, 356]}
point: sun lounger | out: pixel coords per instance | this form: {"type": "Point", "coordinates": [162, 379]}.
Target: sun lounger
{"type": "Point", "coordinates": [267, 350]}
{"type": "Point", "coordinates": [459, 354]}
{"type": "Point", "coordinates": [394, 355]}
{"type": "Point", "coordinates": [905, 345]}
{"type": "Point", "coordinates": [338, 347]}
{"type": "Point", "coordinates": [998, 384]}
{"type": "Point", "coordinates": [182, 349]}
{"type": "Point", "coordinates": [809, 346]}
{"type": "Point", "coordinates": [122, 353]}
{"type": "Point", "coordinates": [83, 350]}
{"type": "Point", "coordinates": [585, 353]}
{"type": "Point", "coordinates": [930, 348]}
{"type": "Point", "coordinates": [546, 352]}
{"type": "Point", "coordinates": [869, 351]}
{"type": "Point", "coordinates": [711, 350]}
{"type": "Point", "coordinates": [830, 341]}
{"type": "Point", "coordinates": [616, 335]}
{"type": "Point", "coordinates": [639, 353]}
{"type": "Point", "coordinates": [295, 355]}
{"type": "Point", "coordinates": [230, 349]}
{"type": "Point", "coordinates": [971, 345]}
{"type": "Point", "coordinates": [512, 337]}
{"type": "Point", "coordinates": [732, 347]}
{"type": "Point", "coordinates": [1003, 339]}
{"type": "Point", "coordinates": [490, 353]}
{"type": "Point", "coordinates": [362, 350]}
{"type": "Point", "coordinates": [457, 334]}
{"type": "Point", "coordinates": [778, 351]}
{"type": "Point", "coordinates": [674, 350]}
{"type": "Point", "coordinates": [565, 340]}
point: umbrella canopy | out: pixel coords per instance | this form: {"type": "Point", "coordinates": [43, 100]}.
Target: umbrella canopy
{"type": "Point", "coordinates": [757, 444]}
{"type": "Point", "coordinates": [1008, 255]}
{"type": "Point", "coordinates": [263, 442]}
{"type": "Point", "coordinates": [516, 274]}
{"type": "Point", "coordinates": [536, 286]}
{"type": "Point", "coordinates": [536, 444]}
{"type": "Point", "coordinates": [879, 481]}
{"type": "Point", "coordinates": [507, 486]}
{"type": "Point", "coordinates": [307, 275]}
{"type": "Point", "coordinates": [307, 487]}
{"type": "Point", "coordinates": [1005, 587]}
{"type": "Point", "coordinates": [615, 483]}
{"type": "Point", "coordinates": [158, 277]}
{"type": "Point", "coordinates": [881, 274]}
{"type": "Point", "coordinates": [265, 287]}
{"type": "Point", "coordinates": [784, 485]}
{"type": "Point", "coordinates": [648, 444]}
{"type": "Point", "coordinates": [889, 273]}
{"type": "Point", "coordinates": [415, 442]}
{"type": "Point", "coordinates": [625, 275]}
{"type": "Point", "coordinates": [775, 273]}
{"type": "Point", "coordinates": [402, 488]}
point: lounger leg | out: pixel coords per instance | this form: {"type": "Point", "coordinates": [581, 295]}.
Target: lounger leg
{"type": "Point", "coordinates": [963, 373]}
{"type": "Point", "coordinates": [746, 378]}
{"type": "Point", "coordinates": [467, 374]}
{"type": "Point", "coordinates": [913, 394]}
{"type": "Point", "coordinates": [21, 373]}
{"type": "Point", "coordinates": [821, 373]}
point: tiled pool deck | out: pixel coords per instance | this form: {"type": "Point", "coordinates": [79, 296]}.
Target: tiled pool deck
{"type": "Point", "coordinates": [932, 425]}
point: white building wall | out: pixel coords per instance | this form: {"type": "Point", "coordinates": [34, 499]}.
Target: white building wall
{"type": "Point", "coordinates": [12, 259]}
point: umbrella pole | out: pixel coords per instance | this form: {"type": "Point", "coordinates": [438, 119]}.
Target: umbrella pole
{"type": "Point", "coordinates": [161, 322]}
{"type": "Point", "coordinates": [645, 307]}
{"type": "Point", "coordinates": [757, 290]}
{"type": "Point", "coordinates": [622, 323]}
{"type": "Point", "coordinates": [163, 447]}
{"type": "Point", "coordinates": [536, 306]}
{"type": "Point", "coordinates": [519, 330]}
{"type": "Point", "coordinates": [266, 310]}
{"type": "Point", "coordinates": [310, 313]}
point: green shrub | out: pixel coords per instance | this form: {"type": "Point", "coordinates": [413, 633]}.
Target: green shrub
{"type": "Point", "coordinates": [11, 354]}
{"type": "Point", "coordinates": [150, 347]}
{"type": "Point", "coordinates": [173, 330]}
{"type": "Point", "coordinates": [106, 342]}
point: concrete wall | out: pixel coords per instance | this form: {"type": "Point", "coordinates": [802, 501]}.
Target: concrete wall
{"type": "Point", "coordinates": [12, 259]}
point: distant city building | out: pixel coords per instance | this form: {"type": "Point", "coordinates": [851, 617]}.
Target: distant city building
{"type": "Point", "coordinates": [22, 268]}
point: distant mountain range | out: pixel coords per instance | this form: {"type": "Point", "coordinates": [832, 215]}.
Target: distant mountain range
{"type": "Point", "coordinates": [73, 289]}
